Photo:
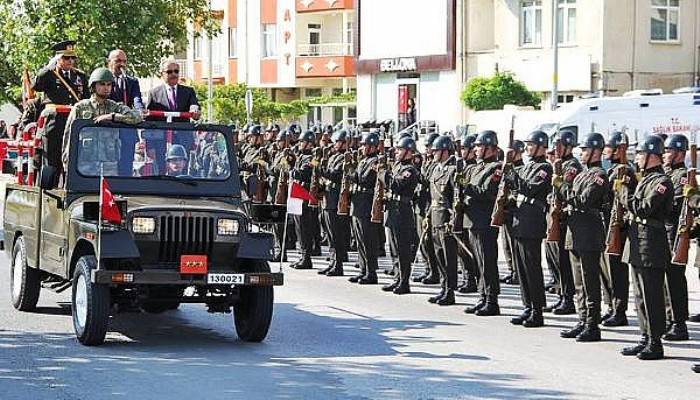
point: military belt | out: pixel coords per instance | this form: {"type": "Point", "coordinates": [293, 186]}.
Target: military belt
{"type": "Point", "coordinates": [573, 210]}
{"type": "Point", "coordinates": [400, 198]}
{"type": "Point", "coordinates": [522, 199]}
{"type": "Point", "coordinates": [359, 189]}
{"type": "Point", "coordinates": [646, 221]}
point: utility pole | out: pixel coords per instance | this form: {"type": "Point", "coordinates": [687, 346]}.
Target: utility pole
{"type": "Point", "coordinates": [555, 46]}
{"type": "Point", "coordinates": [210, 81]}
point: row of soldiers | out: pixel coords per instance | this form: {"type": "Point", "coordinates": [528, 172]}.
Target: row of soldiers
{"type": "Point", "coordinates": [449, 203]}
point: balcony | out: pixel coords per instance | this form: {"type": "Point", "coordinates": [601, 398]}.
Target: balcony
{"type": "Point", "coordinates": [324, 49]}
{"type": "Point", "coordinates": [306, 6]}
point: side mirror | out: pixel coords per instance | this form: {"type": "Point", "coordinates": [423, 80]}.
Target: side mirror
{"type": "Point", "coordinates": [48, 177]}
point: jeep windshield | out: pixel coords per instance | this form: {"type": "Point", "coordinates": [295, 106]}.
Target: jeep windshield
{"type": "Point", "coordinates": [144, 153]}
{"type": "Point", "coordinates": [153, 158]}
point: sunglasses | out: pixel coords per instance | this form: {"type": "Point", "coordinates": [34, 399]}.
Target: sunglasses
{"type": "Point", "coordinates": [172, 71]}
{"type": "Point", "coordinates": [69, 57]}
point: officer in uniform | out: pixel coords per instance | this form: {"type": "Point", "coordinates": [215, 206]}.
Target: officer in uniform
{"type": "Point", "coordinates": [282, 163]}
{"type": "Point", "coordinates": [253, 153]}
{"type": "Point", "coordinates": [422, 207]}
{"type": "Point", "coordinates": [62, 83]}
{"type": "Point", "coordinates": [585, 237]}
{"type": "Point", "coordinates": [401, 183]}
{"type": "Point", "coordinates": [482, 190]}
{"type": "Point", "coordinates": [442, 194]}
{"type": "Point", "coordinates": [465, 165]}
{"type": "Point", "coordinates": [100, 108]}
{"type": "Point", "coordinates": [647, 249]}
{"type": "Point", "coordinates": [531, 185]}
{"type": "Point", "coordinates": [507, 232]}
{"type": "Point", "coordinates": [364, 179]}
{"type": "Point", "coordinates": [618, 271]}
{"type": "Point", "coordinates": [564, 143]}
{"type": "Point", "coordinates": [302, 173]}
{"type": "Point", "coordinates": [338, 225]}
{"type": "Point", "coordinates": [676, 286]}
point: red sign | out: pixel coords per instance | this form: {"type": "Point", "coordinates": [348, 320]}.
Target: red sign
{"type": "Point", "coordinates": [193, 264]}
{"type": "Point", "coordinates": [403, 99]}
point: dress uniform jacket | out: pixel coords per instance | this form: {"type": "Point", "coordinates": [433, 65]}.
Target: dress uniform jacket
{"type": "Point", "coordinates": [481, 190]}
{"type": "Point", "coordinates": [585, 199]}
{"type": "Point", "coordinates": [54, 89]}
{"type": "Point", "coordinates": [442, 192]}
{"type": "Point", "coordinates": [364, 179]}
{"type": "Point", "coordinates": [401, 185]}
{"type": "Point", "coordinates": [333, 173]}
{"type": "Point", "coordinates": [650, 205]}
{"type": "Point", "coordinates": [531, 184]}
{"type": "Point", "coordinates": [679, 178]}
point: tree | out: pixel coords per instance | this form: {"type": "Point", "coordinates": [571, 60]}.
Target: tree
{"type": "Point", "coordinates": [495, 92]}
{"type": "Point", "coordinates": [147, 30]}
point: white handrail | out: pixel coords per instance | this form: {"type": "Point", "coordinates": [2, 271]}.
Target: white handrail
{"type": "Point", "coordinates": [324, 49]}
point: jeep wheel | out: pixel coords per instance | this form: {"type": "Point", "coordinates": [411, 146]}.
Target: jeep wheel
{"type": "Point", "coordinates": [90, 303]}
{"type": "Point", "coordinates": [253, 312]}
{"type": "Point", "coordinates": [25, 281]}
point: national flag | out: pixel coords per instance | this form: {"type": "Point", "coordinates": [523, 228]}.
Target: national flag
{"type": "Point", "coordinates": [108, 207]}
{"type": "Point", "coordinates": [296, 198]}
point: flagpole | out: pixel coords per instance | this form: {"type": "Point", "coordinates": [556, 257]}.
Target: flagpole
{"type": "Point", "coordinates": [99, 217]}
{"type": "Point", "coordinates": [283, 250]}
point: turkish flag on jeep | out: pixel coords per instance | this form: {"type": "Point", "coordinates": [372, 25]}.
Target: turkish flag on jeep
{"type": "Point", "coordinates": [108, 207]}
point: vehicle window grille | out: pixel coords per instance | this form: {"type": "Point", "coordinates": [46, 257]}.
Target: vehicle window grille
{"type": "Point", "coordinates": [184, 235]}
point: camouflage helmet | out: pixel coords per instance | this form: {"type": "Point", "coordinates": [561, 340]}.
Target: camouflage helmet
{"type": "Point", "coordinates": [176, 151]}
{"type": "Point", "coordinates": [653, 144]}
{"type": "Point", "coordinates": [593, 141]}
{"type": "Point", "coordinates": [487, 138]}
{"type": "Point", "coordinates": [676, 142]}
{"type": "Point", "coordinates": [406, 143]}
{"type": "Point", "coordinates": [101, 74]}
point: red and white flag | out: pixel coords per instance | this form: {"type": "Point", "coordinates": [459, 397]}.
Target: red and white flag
{"type": "Point", "coordinates": [296, 198]}
{"type": "Point", "coordinates": [108, 207]}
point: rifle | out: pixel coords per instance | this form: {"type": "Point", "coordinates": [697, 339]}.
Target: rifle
{"type": "Point", "coordinates": [554, 226]}
{"type": "Point", "coordinates": [344, 200]}
{"type": "Point", "coordinates": [458, 221]}
{"type": "Point", "coordinates": [379, 187]}
{"type": "Point", "coordinates": [315, 188]}
{"type": "Point", "coordinates": [261, 186]}
{"type": "Point", "coordinates": [499, 210]}
{"type": "Point", "coordinates": [283, 181]}
{"type": "Point", "coordinates": [685, 221]}
{"type": "Point", "coordinates": [617, 218]}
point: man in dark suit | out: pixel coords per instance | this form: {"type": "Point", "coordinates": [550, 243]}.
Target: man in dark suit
{"type": "Point", "coordinates": [125, 90]}
{"type": "Point", "coordinates": [171, 96]}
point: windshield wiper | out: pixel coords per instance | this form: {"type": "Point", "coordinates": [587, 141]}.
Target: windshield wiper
{"type": "Point", "coordinates": [186, 181]}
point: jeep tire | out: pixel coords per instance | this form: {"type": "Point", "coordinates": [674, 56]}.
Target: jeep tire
{"type": "Point", "coordinates": [90, 303]}
{"type": "Point", "coordinates": [252, 314]}
{"type": "Point", "coordinates": [25, 281]}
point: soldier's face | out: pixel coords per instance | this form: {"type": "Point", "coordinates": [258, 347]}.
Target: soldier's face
{"type": "Point", "coordinates": [608, 153]}
{"type": "Point", "coordinates": [339, 145]}
{"type": "Point", "coordinates": [103, 89]}
{"type": "Point", "coordinates": [640, 159]}
{"type": "Point", "coordinates": [176, 165]}
{"type": "Point", "coordinates": [586, 155]}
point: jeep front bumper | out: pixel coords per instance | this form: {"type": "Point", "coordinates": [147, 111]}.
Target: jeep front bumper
{"type": "Point", "coordinates": [176, 278]}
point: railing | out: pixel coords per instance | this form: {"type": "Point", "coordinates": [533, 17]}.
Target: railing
{"type": "Point", "coordinates": [324, 49]}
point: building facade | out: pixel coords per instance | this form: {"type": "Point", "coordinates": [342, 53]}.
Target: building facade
{"type": "Point", "coordinates": [293, 48]}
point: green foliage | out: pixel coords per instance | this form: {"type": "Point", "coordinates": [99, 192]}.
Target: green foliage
{"type": "Point", "coordinates": [146, 30]}
{"type": "Point", "coordinates": [495, 92]}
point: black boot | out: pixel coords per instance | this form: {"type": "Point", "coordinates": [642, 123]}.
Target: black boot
{"type": "Point", "coordinates": [617, 319]}
{"type": "Point", "coordinates": [608, 314]}
{"type": "Point", "coordinates": [448, 299]}
{"type": "Point", "coordinates": [634, 350]}
{"type": "Point", "coordinates": [573, 332]}
{"type": "Point", "coordinates": [522, 317]}
{"type": "Point", "coordinates": [437, 297]}
{"type": "Point", "coordinates": [554, 306]}
{"type": "Point", "coordinates": [565, 308]}
{"type": "Point", "coordinates": [654, 350]}
{"type": "Point", "coordinates": [536, 319]}
{"type": "Point", "coordinates": [469, 286]}
{"type": "Point", "coordinates": [325, 270]}
{"type": "Point", "coordinates": [390, 287]}
{"type": "Point", "coordinates": [431, 279]}
{"type": "Point", "coordinates": [694, 318]}
{"type": "Point", "coordinates": [419, 278]}
{"type": "Point", "coordinates": [336, 271]}
{"type": "Point", "coordinates": [696, 368]}
{"type": "Point", "coordinates": [355, 278]}
{"type": "Point", "coordinates": [476, 307]}
{"type": "Point", "coordinates": [368, 280]}
{"type": "Point", "coordinates": [304, 263]}
{"type": "Point", "coordinates": [590, 334]}
{"type": "Point", "coordinates": [489, 309]}
{"type": "Point", "coordinates": [402, 289]}
{"type": "Point", "coordinates": [677, 333]}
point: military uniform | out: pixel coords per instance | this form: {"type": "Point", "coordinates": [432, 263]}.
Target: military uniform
{"type": "Point", "coordinates": [585, 240]}
{"type": "Point", "coordinates": [482, 190]}
{"type": "Point", "coordinates": [530, 185]}
{"type": "Point", "coordinates": [364, 179]}
{"type": "Point", "coordinates": [442, 194]}
{"type": "Point", "coordinates": [90, 109]}
{"type": "Point", "coordinates": [470, 269]}
{"type": "Point", "coordinates": [424, 225]}
{"type": "Point", "coordinates": [507, 234]}
{"type": "Point", "coordinates": [62, 87]}
{"type": "Point", "coordinates": [676, 287]}
{"type": "Point", "coordinates": [338, 225]}
{"type": "Point", "coordinates": [648, 251]}
{"type": "Point", "coordinates": [302, 173]}
{"type": "Point", "coordinates": [400, 219]}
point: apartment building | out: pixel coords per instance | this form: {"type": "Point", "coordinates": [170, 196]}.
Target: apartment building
{"type": "Point", "coordinates": [293, 48]}
{"type": "Point", "coordinates": [605, 46]}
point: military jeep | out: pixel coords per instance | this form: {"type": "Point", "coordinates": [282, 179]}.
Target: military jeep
{"type": "Point", "coordinates": [184, 237]}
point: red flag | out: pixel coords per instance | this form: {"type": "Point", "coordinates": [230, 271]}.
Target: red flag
{"type": "Point", "coordinates": [298, 192]}
{"type": "Point", "coordinates": [110, 211]}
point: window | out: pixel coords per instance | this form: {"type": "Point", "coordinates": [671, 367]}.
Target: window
{"type": "Point", "coordinates": [269, 40]}
{"type": "Point", "coordinates": [565, 98]}
{"type": "Point", "coordinates": [664, 20]}
{"type": "Point", "coordinates": [198, 45]}
{"type": "Point", "coordinates": [313, 93]}
{"type": "Point", "coordinates": [566, 21]}
{"type": "Point", "coordinates": [531, 23]}
{"type": "Point", "coordinates": [232, 42]}
{"type": "Point", "coordinates": [349, 37]}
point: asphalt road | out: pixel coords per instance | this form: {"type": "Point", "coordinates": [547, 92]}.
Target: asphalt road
{"type": "Point", "coordinates": [332, 339]}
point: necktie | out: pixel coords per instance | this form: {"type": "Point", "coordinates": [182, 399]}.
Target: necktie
{"type": "Point", "coordinates": [122, 85]}
{"type": "Point", "coordinates": [172, 99]}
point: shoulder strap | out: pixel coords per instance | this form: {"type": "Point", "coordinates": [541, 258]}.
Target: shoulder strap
{"type": "Point", "coordinates": [67, 86]}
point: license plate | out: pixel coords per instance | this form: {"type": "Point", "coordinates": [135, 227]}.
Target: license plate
{"type": "Point", "coordinates": [226, 279]}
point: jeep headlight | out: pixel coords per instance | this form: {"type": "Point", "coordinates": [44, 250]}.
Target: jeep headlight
{"type": "Point", "coordinates": [143, 225]}
{"type": "Point", "coordinates": [227, 227]}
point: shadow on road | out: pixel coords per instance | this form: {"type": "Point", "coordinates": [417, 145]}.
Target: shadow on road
{"type": "Point", "coordinates": [306, 356]}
